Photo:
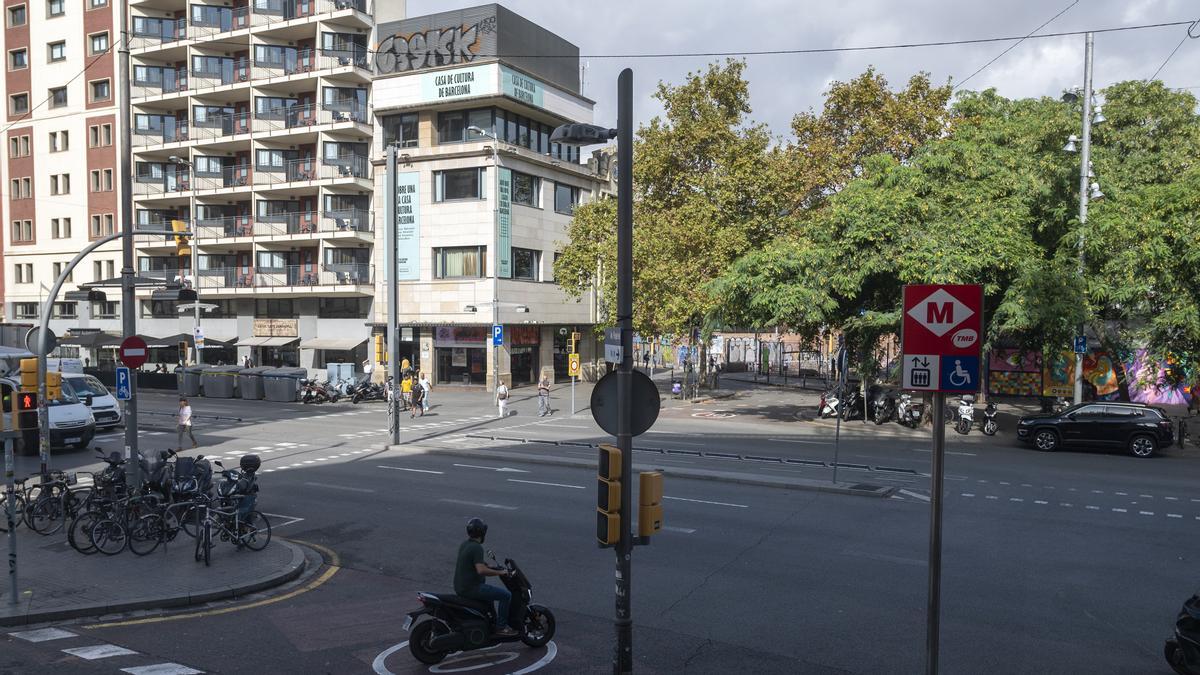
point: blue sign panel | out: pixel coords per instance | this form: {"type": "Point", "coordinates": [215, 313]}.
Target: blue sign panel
{"type": "Point", "coordinates": [960, 373]}
{"type": "Point", "coordinates": [124, 390]}
{"type": "Point", "coordinates": [1080, 344]}
{"type": "Point", "coordinates": [408, 226]}
{"type": "Point", "coordinates": [497, 336]}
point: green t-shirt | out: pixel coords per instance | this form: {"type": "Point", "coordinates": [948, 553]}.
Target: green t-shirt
{"type": "Point", "coordinates": [466, 577]}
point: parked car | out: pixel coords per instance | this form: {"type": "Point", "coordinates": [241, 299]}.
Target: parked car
{"type": "Point", "coordinates": [1138, 428]}
{"type": "Point", "coordinates": [96, 396]}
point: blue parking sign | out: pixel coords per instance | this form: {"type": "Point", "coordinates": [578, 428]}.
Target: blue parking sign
{"type": "Point", "coordinates": [497, 336]}
{"type": "Point", "coordinates": [124, 390]}
{"type": "Point", "coordinates": [960, 373]}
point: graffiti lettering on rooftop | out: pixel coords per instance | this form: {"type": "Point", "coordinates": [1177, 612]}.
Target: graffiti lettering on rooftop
{"type": "Point", "coordinates": [434, 47]}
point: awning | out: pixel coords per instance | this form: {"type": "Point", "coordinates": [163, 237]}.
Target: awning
{"type": "Point", "coordinates": [336, 344]}
{"type": "Point", "coordinates": [210, 342]}
{"type": "Point", "coordinates": [266, 341]}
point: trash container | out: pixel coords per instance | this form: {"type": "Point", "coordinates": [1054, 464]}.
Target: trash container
{"type": "Point", "coordinates": [191, 380]}
{"type": "Point", "coordinates": [282, 384]}
{"type": "Point", "coordinates": [220, 381]}
{"type": "Point", "coordinates": [250, 383]}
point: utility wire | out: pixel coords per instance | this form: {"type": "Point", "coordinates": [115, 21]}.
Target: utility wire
{"type": "Point", "coordinates": [76, 76]}
{"type": "Point", "coordinates": [1014, 45]}
{"type": "Point", "coordinates": [1195, 25]}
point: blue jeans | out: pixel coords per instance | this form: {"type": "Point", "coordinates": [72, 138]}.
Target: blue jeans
{"type": "Point", "coordinates": [488, 593]}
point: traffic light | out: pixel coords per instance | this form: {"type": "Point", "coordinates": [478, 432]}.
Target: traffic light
{"type": "Point", "coordinates": [380, 350]}
{"type": "Point", "coordinates": [26, 412]}
{"type": "Point", "coordinates": [29, 378]}
{"type": "Point", "coordinates": [650, 494]}
{"type": "Point", "coordinates": [182, 241]}
{"type": "Point", "coordinates": [53, 385]}
{"type": "Point", "coordinates": [608, 496]}
{"type": "Point", "coordinates": [575, 336]}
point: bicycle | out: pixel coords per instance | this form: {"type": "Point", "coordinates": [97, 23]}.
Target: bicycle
{"type": "Point", "coordinates": [56, 500]}
{"type": "Point", "coordinates": [18, 501]}
{"type": "Point", "coordinates": [131, 525]}
{"type": "Point", "coordinates": [252, 531]}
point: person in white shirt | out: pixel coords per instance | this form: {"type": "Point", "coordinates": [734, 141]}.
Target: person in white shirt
{"type": "Point", "coordinates": [184, 422]}
{"type": "Point", "coordinates": [502, 399]}
{"type": "Point", "coordinates": [427, 386]}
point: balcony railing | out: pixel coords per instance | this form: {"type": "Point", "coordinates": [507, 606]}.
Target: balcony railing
{"type": "Point", "coordinates": [291, 117]}
{"type": "Point", "coordinates": [296, 222]}
{"type": "Point", "coordinates": [275, 224]}
{"type": "Point", "coordinates": [237, 175]}
{"type": "Point", "coordinates": [232, 71]}
{"type": "Point", "coordinates": [172, 31]}
{"type": "Point", "coordinates": [346, 220]}
{"type": "Point", "coordinates": [219, 126]}
{"type": "Point", "coordinates": [171, 184]}
{"type": "Point", "coordinates": [237, 19]}
{"type": "Point", "coordinates": [171, 132]}
{"type": "Point", "coordinates": [259, 13]}
{"type": "Point", "coordinates": [225, 226]}
{"type": "Point", "coordinates": [298, 276]}
{"type": "Point", "coordinates": [302, 170]}
{"type": "Point", "coordinates": [173, 80]}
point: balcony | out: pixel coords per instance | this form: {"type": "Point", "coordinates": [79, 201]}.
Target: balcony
{"type": "Point", "coordinates": [237, 175]}
{"type": "Point", "coordinates": [150, 32]}
{"type": "Point", "coordinates": [215, 127]}
{"type": "Point", "coordinates": [307, 170]}
{"type": "Point", "coordinates": [349, 277]}
{"type": "Point", "coordinates": [223, 227]}
{"type": "Point", "coordinates": [235, 18]}
{"type": "Point", "coordinates": [170, 185]}
{"type": "Point", "coordinates": [156, 83]}
{"type": "Point", "coordinates": [307, 116]}
{"type": "Point", "coordinates": [153, 32]}
{"type": "Point", "coordinates": [171, 131]}
{"type": "Point", "coordinates": [232, 71]}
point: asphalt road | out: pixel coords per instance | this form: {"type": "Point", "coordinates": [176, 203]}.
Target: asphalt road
{"type": "Point", "coordinates": [1069, 562]}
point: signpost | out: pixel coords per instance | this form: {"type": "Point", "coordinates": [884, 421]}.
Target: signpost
{"type": "Point", "coordinates": [573, 373]}
{"type": "Point", "coordinates": [1080, 344]}
{"type": "Point", "coordinates": [613, 351]}
{"type": "Point", "coordinates": [124, 392]}
{"type": "Point", "coordinates": [497, 336]}
{"type": "Point", "coordinates": [133, 353]}
{"type": "Point", "coordinates": [940, 338]}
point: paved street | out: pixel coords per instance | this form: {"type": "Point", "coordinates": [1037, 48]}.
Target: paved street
{"type": "Point", "coordinates": [1054, 563]}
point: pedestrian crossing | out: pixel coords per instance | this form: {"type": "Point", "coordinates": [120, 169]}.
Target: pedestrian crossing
{"type": "Point", "coordinates": [422, 426]}
{"type": "Point", "coordinates": [123, 659]}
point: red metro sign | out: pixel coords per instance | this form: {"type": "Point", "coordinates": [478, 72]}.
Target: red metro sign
{"type": "Point", "coordinates": [941, 333]}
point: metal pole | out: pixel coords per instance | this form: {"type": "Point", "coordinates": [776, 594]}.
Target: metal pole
{"type": "Point", "coordinates": [623, 658]}
{"type": "Point", "coordinates": [195, 274]}
{"type": "Point", "coordinates": [937, 477]}
{"type": "Point", "coordinates": [10, 515]}
{"type": "Point", "coordinates": [496, 257]}
{"type": "Point", "coordinates": [837, 431]}
{"type": "Point", "coordinates": [1085, 155]}
{"type": "Point", "coordinates": [392, 332]}
{"type": "Point", "coordinates": [133, 468]}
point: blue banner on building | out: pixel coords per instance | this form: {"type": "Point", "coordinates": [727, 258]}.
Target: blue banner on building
{"type": "Point", "coordinates": [408, 226]}
{"type": "Point", "coordinates": [504, 224]}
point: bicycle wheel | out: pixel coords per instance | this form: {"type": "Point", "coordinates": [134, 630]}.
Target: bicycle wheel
{"type": "Point", "coordinates": [204, 543]}
{"type": "Point", "coordinates": [145, 534]}
{"type": "Point", "coordinates": [18, 514]}
{"type": "Point", "coordinates": [256, 531]}
{"type": "Point", "coordinates": [46, 514]}
{"type": "Point", "coordinates": [78, 532]}
{"type": "Point", "coordinates": [190, 520]}
{"type": "Point", "coordinates": [109, 536]}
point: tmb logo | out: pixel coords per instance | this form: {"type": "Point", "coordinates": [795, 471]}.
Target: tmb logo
{"type": "Point", "coordinates": [965, 338]}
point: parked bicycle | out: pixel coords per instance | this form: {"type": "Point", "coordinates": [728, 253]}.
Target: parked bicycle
{"type": "Point", "coordinates": [231, 515]}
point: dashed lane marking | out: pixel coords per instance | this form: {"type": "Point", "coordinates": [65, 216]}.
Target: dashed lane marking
{"type": "Point", "coordinates": [702, 501]}
{"type": "Point", "coordinates": [96, 652]}
{"type": "Point", "coordinates": [42, 634]}
{"type": "Point", "coordinates": [561, 485]}
{"type": "Point", "coordinates": [162, 669]}
{"type": "Point", "coordinates": [346, 488]}
{"type": "Point", "coordinates": [401, 468]}
{"type": "Point", "coordinates": [479, 504]}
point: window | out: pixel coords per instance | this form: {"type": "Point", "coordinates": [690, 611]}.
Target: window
{"type": "Point", "coordinates": [64, 310]}
{"type": "Point", "coordinates": [274, 309]}
{"type": "Point", "coordinates": [110, 269]}
{"type": "Point", "coordinates": [26, 188]}
{"type": "Point", "coordinates": [58, 270]}
{"type": "Point", "coordinates": [22, 231]}
{"type": "Point", "coordinates": [102, 224]}
{"type": "Point", "coordinates": [18, 104]}
{"type": "Point", "coordinates": [59, 141]}
{"type": "Point", "coordinates": [23, 273]}
{"type": "Point", "coordinates": [526, 189]}
{"type": "Point", "coordinates": [56, 8]}
{"type": "Point", "coordinates": [58, 97]}
{"type": "Point", "coordinates": [458, 184]}
{"type": "Point", "coordinates": [107, 309]}
{"type": "Point", "coordinates": [96, 4]}
{"type": "Point", "coordinates": [58, 51]}
{"type": "Point", "coordinates": [18, 146]}
{"type": "Point", "coordinates": [18, 59]}
{"type": "Point", "coordinates": [453, 127]}
{"type": "Point", "coordinates": [16, 15]}
{"type": "Point", "coordinates": [94, 136]}
{"type": "Point", "coordinates": [108, 180]}
{"type": "Point", "coordinates": [95, 180]}
{"type": "Point", "coordinates": [25, 310]}
{"type": "Point", "coordinates": [343, 308]}
{"type": "Point", "coordinates": [460, 262]}
{"type": "Point", "coordinates": [400, 130]}
{"type": "Point", "coordinates": [60, 184]}
{"type": "Point", "coordinates": [60, 228]}
{"type": "Point", "coordinates": [565, 198]}
{"type": "Point", "coordinates": [99, 43]}
{"type": "Point", "coordinates": [25, 145]}
{"type": "Point", "coordinates": [526, 264]}
{"type": "Point", "coordinates": [101, 90]}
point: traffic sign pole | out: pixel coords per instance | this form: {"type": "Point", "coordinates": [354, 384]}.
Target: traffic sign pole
{"type": "Point", "coordinates": [10, 514]}
{"type": "Point", "coordinates": [936, 479]}
{"type": "Point", "coordinates": [133, 354]}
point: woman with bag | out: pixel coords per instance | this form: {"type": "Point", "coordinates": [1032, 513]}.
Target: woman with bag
{"type": "Point", "coordinates": [502, 399]}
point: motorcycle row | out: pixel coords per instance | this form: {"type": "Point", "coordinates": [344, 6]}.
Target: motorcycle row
{"type": "Point", "coordinates": [312, 391]}
{"type": "Point", "coordinates": [885, 405]}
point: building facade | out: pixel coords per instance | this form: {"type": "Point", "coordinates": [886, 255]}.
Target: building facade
{"type": "Point", "coordinates": [483, 198]}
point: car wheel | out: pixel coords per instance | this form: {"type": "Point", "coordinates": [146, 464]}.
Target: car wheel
{"type": "Point", "coordinates": [1046, 440]}
{"type": "Point", "coordinates": [1142, 445]}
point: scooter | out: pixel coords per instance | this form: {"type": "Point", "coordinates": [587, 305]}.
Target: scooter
{"type": "Point", "coordinates": [830, 402]}
{"type": "Point", "coordinates": [457, 624]}
{"type": "Point", "coordinates": [908, 411]}
{"type": "Point", "coordinates": [989, 419]}
{"type": "Point", "coordinates": [1182, 650]}
{"type": "Point", "coordinates": [854, 407]}
{"type": "Point", "coordinates": [966, 414]}
{"type": "Point", "coordinates": [883, 407]}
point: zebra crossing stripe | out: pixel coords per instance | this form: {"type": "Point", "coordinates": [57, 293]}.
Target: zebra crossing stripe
{"type": "Point", "coordinates": [42, 634]}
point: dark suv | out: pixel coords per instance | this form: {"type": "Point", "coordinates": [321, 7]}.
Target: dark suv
{"type": "Point", "coordinates": [1139, 428]}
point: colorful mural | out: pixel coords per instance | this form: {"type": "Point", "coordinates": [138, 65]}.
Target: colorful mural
{"type": "Point", "coordinates": [1106, 378]}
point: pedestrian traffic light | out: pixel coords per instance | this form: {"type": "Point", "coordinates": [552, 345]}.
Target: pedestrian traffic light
{"type": "Point", "coordinates": [25, 416]}
{"type": "Point", "coordinates": [53, 385]}
{"type": "Point", "coordinates": [380, 350]}
{"type": "Point", "coordinates": [575, 336]}
{"type": "Point", "coordinates": [608, 496]}
{"type": "Point", "coordinates": [29, 371]}
{"type": "Point", "coordinates": [182, 241]}
{"type": "Point", "coordinates": [650, 494]}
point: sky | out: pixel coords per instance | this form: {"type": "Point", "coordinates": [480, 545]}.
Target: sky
{"type": "Point", "coordinates": [781, 86]}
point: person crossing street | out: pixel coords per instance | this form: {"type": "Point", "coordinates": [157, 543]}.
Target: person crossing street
{"type": "Point", "coordinates": [544, 396]}
{"type": "Point", "coordinates": [183, 423]}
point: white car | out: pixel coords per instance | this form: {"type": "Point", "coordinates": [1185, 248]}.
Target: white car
{"type": "Point", "coordinates": [103, 404]}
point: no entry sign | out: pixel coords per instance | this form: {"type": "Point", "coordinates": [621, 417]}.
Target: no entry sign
{"type": "Point", "coordinates": [133, 351]}
{"type": "Point", "coordinates": [941, 332]}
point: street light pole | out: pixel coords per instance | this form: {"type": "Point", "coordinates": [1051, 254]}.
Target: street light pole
{"type": "Point", "coordinates": [495, 246]}
{"type": "Point", "coordinates": [128, 301]}
{"type": "Point", "coordinates": [1085, 154]}
{"type": "Point", "coordinates": [623, 661]}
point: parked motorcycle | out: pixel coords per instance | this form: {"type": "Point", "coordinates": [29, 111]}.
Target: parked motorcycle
{"type": "Point", "coordinates": [1182, 650]}
{"type": "Point", "coordinates": [908, 411]}
{"type": "Point", "coordinates": [457, 624]}
{"type": "Point", "coordinates": [883, 407]}
{"type": "Point", "coordinates": [854, 407]}
{"type": "Point", "coordinates": [317, 392]}
{"type": "Point", "coordinates": [830, 403]}
{"type": "Point", "coordinates": [965, 414]}
{"type": "Point", "coordinates": [989, 419]}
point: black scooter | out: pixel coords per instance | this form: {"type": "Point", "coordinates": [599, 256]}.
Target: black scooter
{"type": "Point", "coordinates": [1183, 650]}
{"type": "Point", "coordinates": [457, 624]}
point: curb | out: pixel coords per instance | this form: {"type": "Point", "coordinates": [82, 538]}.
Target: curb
{"type": "Point", "coordinates": [782, 482]}
{"type": "Point", "coordinates": [279, 577]}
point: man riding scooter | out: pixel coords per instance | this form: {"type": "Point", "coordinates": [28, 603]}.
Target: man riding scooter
{"type": "Point", "coordinates": [470, 574]}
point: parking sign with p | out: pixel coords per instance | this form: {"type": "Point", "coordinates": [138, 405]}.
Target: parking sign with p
{"type": "Point", "coordinates": [941, 332]}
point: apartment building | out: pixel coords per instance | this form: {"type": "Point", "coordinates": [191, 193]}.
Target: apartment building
{"type": "Point", "coordinates": [493, 197]}
{"type": "Point", "coordinates": [59, 172]}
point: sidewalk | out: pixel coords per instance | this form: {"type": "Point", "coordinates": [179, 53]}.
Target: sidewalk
{"type": "Point", "coordinates": [55, 582]}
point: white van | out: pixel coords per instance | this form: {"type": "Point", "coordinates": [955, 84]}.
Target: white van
{"type": "Point", "coordinates": [71, 422]}
{"type": "Point", "coordinates": [102, 403]}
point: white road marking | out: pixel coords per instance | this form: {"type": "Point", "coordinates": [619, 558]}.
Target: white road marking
{"type": "Point", "coordinates": [1066, 504]}
{"type": "Point", "coordinates": [261, 448]}
{"type": "Point", "coordinates": [797, 440]}
{"type": "Point", "coordinates": [1039, 501]}
{"type": "Point", "coordinates": [950, 452]}
{"type": "Point", "coordinates": [1145, 513]}
{"type": "Point", "coordinates": [1120, 511]}
{"type": "Point", "coordinates": [535, 482]}
{"type": "Point", "coordinates": [701, 501]}
{"type": "Point", "coordinates": [915, 495]}
{"type": "Point", "coordinates": [1093, 508]}
{"type": "Point", "coordinates": [1174, 515]}
{"type": "Point", "coordinates": [1005, 483]}
{"type": "Point", "coordinates": [990, 497]}
{"type": "Point", "coordinates": [684, 530]}
{"type": "Point", "coordinates": [1026, 485]}
{"type": "Point", "coordinates": [401, 468]}
{"type": "Point", "coordinates": [42, 634]}
{"type": "Point", "coordinates": [1123, 494]}
{"type": "Point", "coordinates": [1147, 496]}
{"type": "Point", "coordinates": [968, 494]}
{"type": "Point", "coordinates": [339, 487]}
{"type": "Point", "coordinates": [1015, 499]}
{"type": "Point", "coordinates": [480, 504]}
{"type": "Point", "coordinates": [162, 669]}
{"type": "Point", "coordinates": [94, 652]}
{"type": "Point", "coordinates": [1171, 499]}
{"type": "Point", "coordinates": [1100, 492]}
{"type": "Point", "coordinates": [502, 469]}
{"type": "Point", "coordinates": [291, 520]}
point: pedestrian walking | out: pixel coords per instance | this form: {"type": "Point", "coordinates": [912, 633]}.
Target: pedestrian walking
{"type": "Point", "coordinates": [502, 399]}
{"type": "Point", "coordinates": [418, 399]}
{"type": "Point", "coordinates": [406, 387]}
{"type": "Point", "coordinates": [427, 386]}
{"type": "Point", "coordinates": [544, 396]}
{"type": "Point", "coordinates": [183, 422]}
{"type": "Point", "coordinates": [646, 360]}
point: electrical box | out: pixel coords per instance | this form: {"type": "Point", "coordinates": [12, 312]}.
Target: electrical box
{"type": "Point", "coordinates": [650, 511]}
{"type": "Point", "coordinates": [29, 378]}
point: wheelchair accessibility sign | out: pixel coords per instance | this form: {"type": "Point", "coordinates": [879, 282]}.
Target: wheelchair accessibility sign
{"type": "Point", "coordinates": [942, 325]}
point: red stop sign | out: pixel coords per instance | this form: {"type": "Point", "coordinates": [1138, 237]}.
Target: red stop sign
{"type": "Point", "coordinates": [133, 351]}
